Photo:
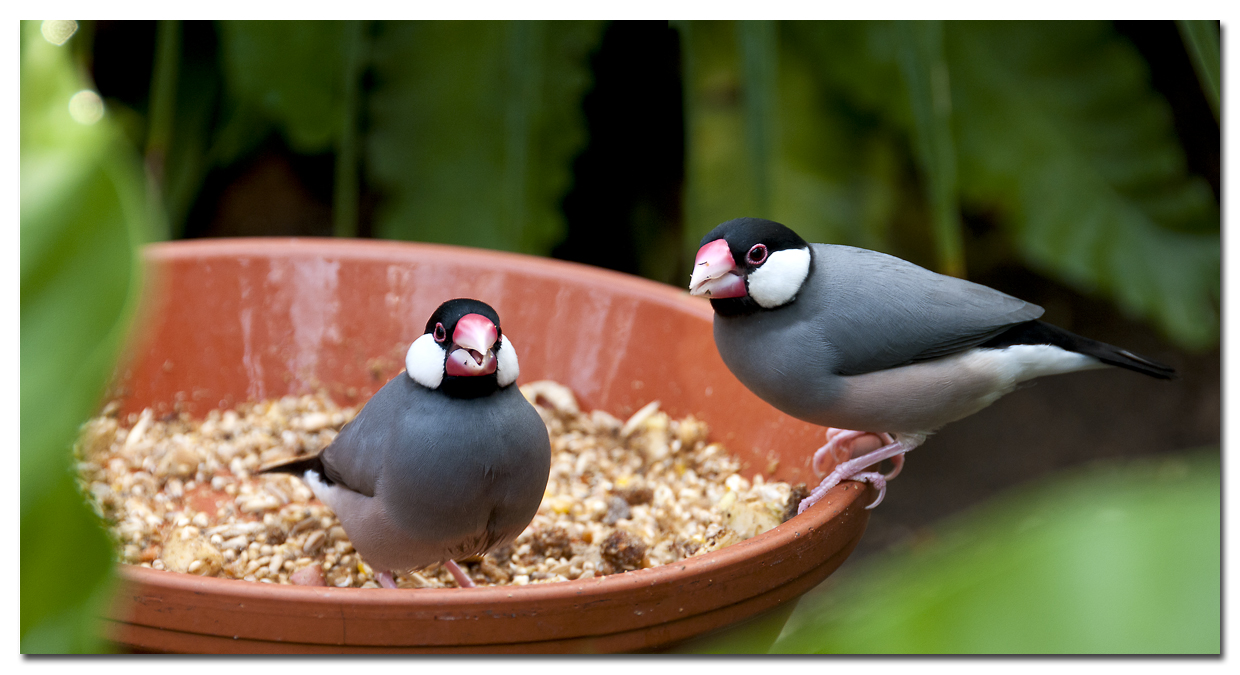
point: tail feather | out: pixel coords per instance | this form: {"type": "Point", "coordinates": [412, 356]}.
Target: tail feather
{"type": "Point", "coordinates": [297, 466]}
{"type": "Point", "coordinates": [1042, 333]}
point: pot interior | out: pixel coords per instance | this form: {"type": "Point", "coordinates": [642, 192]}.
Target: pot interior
{"type": "Point", "coordinates": [252, 319]}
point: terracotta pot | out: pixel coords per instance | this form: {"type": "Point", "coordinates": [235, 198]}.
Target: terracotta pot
{"type": "Point", "coordinates": [247, 319]}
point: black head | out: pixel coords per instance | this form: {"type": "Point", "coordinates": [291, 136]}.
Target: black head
{"type": "Point", "coordinates": [450, 312]}
{"type": "Point", "coordinates": [738, 268]}
{"type": "Point", "coordinates": [743, 234]}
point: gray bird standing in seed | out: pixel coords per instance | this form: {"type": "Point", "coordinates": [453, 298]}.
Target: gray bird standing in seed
{"type": "Point", "coordinates": [446, 461]}
{"type": "Point", "coordinates": [879, 350]}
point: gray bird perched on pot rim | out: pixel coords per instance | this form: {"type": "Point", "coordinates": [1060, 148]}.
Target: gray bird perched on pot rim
{"type": "Point", "coordinates": [446, 461]}
{"type": "Point", "coordinates": [878, 349]}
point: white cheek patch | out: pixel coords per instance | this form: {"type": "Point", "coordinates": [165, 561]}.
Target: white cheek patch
{"type": "Point", "coordinates": [777, 281]}
{"type": "Point", "coordinates": [506, 370]}
{"type": "Point", "coordinates": [425, 360]}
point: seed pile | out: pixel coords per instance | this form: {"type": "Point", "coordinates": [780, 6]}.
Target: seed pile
{"type": "Point", "coordinates": [182, 495]}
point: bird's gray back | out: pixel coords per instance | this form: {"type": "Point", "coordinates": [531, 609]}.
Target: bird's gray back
{"type": "Point", "coordinates": [875, 311]}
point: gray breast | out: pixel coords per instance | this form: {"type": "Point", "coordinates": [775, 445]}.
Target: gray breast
{"type": "Point", "coordinates": [449, 474]}
{"type": "Point", "coordinates": [469, 468]}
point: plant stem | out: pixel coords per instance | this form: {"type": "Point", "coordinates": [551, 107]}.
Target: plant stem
{"type": "Point", "coordinates": [760, 68]}
{"type": "Point", "coordinates": [925, 73]}
{"type": "Point", "coordinates": [163, 100]}
{"type": "Point", "coordinates": [345, 197]}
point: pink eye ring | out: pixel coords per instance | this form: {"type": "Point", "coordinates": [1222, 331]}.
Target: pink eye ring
{"type": "Point", "coordinates": [440, 333]}
{"type": "Point", "coordinates": [757, 254]}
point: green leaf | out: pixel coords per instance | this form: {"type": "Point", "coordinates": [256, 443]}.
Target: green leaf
{"type": "Point", "coordinates": [1119, 559]}
{"type": "Point", "coordinates": [346, 192]}
{"type": "Point", "coordinates": [833, 171]}
{"type": "Point", "coordinates": [290, 72]}
{"type": "Point", "coordinates": [473, 127]}
{"type": "Point", "coordinates": [1201, 38]}
{"type": "Point", "coordinates": [1058, 128]}
{"type": "Point", "coordinates": [83, 212]}
{"type": "Point", "coordinates": [1058, 132]}
{"type": "Point", "coordinates": [927, 80]}
{"type": "Point", "coordinates": [66, 573]}
{"type": "Point", "coordinates": [719, 185]}
{"type": "Point", "coordinates": [759, 52]}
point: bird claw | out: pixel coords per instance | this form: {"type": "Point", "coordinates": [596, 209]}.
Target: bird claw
{"type": "Point", "coordinates": [386, 580]}
{"type": "Point", "coordinates": [878, 481]}
{"type": "Point", "coordinates": [897, 463]}
{"type": "Point", "coordinates": [873, 477]}
{"type": "Point", "coordinates": [852, 469]}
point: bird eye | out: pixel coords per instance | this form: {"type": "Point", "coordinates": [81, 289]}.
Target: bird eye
{"type": "Point", "coordinates": [440, 333]}
{"type": "Point", "coordinates": [757, 254]}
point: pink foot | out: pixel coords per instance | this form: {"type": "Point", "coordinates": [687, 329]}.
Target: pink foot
{"type": "Point", "coordinates": [852, 469]}
{"type": "Point", "coordinates": [462, 579]}
{"type": "Point", "coordinates": [386, 580]}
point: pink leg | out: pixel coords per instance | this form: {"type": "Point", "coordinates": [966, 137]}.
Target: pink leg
{"type": "Point", "coordinates": [844, 444]}
{"type": "Point", "coordinates": [385, 579]}
{"type": "Point", "coordinates": [462, 579]}
{"type": "Point", "coordinates": [852, 469]}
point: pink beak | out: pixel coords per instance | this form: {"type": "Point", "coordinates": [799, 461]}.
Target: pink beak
{"type": "Point", "coordinates": [714, 273]}
{"type": "Point", "coordinates": [473, 338]}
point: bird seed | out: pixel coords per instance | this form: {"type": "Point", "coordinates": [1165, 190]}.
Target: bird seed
{"type": "Point", "coordinates": [182, 495]}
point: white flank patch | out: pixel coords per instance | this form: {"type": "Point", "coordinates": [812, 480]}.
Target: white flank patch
{"type": "Point", "coordinates": [424, 361]}
{"type": "Point", "coordinates": [506, 368]}
{"type": "Point", "coordinates": [1025, 362]}
{"type": "Point", "coordinates": [777, 281]}
{"type": "Point", "coordinates": [326, 493]}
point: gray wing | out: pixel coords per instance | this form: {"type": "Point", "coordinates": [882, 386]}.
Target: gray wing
{"type": "Point", "coordinates": [878, 311]}
{"type": "Point", "coordinates": [355, 459]}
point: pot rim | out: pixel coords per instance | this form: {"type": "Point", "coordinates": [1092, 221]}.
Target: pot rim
{"type": "Point", "coordinates": [376, 249]}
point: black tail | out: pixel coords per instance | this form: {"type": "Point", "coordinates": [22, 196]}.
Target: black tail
{"type": "Point", "coordinates": [1042, 333]}
{"type": "Point", "coordinates": [297, 466]}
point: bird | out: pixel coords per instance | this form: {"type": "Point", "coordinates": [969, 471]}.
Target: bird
{"type": "Point", "coordinates": [880, 351]}
{"type": "Point", "coordinates": [446, 461]}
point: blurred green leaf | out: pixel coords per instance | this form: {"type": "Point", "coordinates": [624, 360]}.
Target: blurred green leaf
{"type": "Point", "coordinates": [473, 127]}
{"type": "Point", "coordinates": [292, 72]}
{"type": "Point", "coordinates": [346, 192]}
{"type": "Point", "coordinates": [1123, 559]}
{"type": "Point", "coordinates": [834, 172]}
{"type": "Point", "coordinates": [1202, 40]}
{"type": "Point", "coordinates": [190, 151]}
{"type": "Point", "coordinates": [759, 52]}
{"type": "Point", "coordinates": [719, 185]}
{"type": "Point", "coordinates": [1058, 127]}
{"type": "Point", "coordinates": [929, 93]}
{"type": "Point", "coordinates": [66, 573]}
{"type": "Point", "coordinates": [82, 214]}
